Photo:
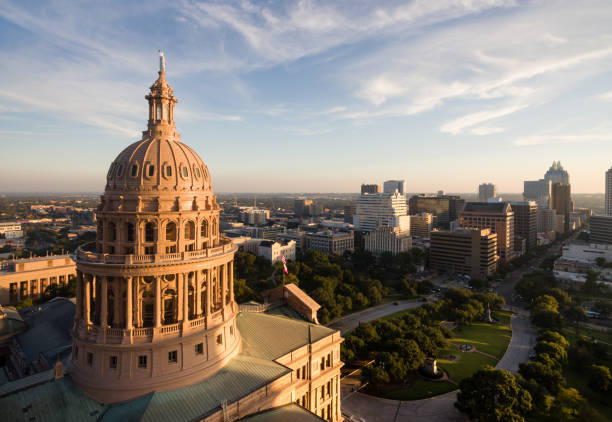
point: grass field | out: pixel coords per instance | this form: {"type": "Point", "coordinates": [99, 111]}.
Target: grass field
{"type": "Point", "coordinates": [491, 339]}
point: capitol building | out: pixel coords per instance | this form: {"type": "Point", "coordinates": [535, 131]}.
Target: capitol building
{"type": "Point", "coordinates": [157, 333]}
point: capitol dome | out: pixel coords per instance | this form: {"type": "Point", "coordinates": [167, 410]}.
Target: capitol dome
{"type": "Point", "coordinates": [156, 164]}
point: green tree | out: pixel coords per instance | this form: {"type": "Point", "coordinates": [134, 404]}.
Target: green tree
{"type": "Point", "coordinates": [590, 284]}
{"type": "Point", "coordinates": [600, 379]}
{"type": "Point", "coordinates": [554, 350]}
{"type": "Point", "coordinates": [604, 307]}
{"type": "Point", "coordinates": [545, 375]}
{"type": "Point", "coordinates": [492, 395]}
{"type": "Point", "coordinates": [568, 405]}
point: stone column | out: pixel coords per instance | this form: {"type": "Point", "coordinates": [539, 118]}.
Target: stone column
{"type": "Point", "coordinates": [208, 295]}
{"type": "Point", "coordinates": [186, 296]}
{"type": "Point", "coordinates": [198, 293]}
{"type": "Point", "coordinates": [87, 299]}
{"type": "Point", "coordinates": [180, 285]}
{"type": "Point", "coordinates": [157, 302]}
{"type": "Point", "coordinates": [79, 295]}
{"type": "Point", "coordinates": [223, 283]}
{"type": "Point", "coordinates": [128, 303]}
{"type": "Point", "coordinates": [104, 302]}
{"type": "Point", "coordinates": [231, 281]}
{"type": "Point", "coordinates": [117, 303]}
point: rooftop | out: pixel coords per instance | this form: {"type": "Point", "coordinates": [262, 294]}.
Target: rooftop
{"type": "Point", "coordinates": [493, 207]}
{"type": "Point", "coordinates": [290, 412]}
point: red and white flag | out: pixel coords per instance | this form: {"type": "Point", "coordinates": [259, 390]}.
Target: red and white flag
{"type": "Point", "coordinates": [284, 261]}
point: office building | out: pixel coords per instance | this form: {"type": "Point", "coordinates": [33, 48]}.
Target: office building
{"type": "Point", "coordinates": [29, 278]}
{"type": "Point", "coordinates": [330, 242]}
{"type": "Point", "coordinates": [255, 216]}
{"type": "Point", "coordinates": [545, 220]}
{"type": "Point", "coordinates": [561, 202]}
{"type": "Point", "coordinates": [387, 239]}
{"type": "Point", "coordinates": [384, 209]}
{"type": "Point", "coordinates": [264, 232]}
{"type": "Point", "coordinates": [538, 191]}
{"type": "Point", "coordinates": [444, 208]}
{"type": "Point", "coordinates": [421, 224]}
{"type": "Point", "coordinates": [349, 212]}
{"type": "Point", "coordinates": [372, 188]}
{"type": "Point", "coordinates": [11, 230]}
{"type": "Point", "coordinates": [608, 199]}
{"type": "Point", "coordinates": [600, 229]}
{"type": "Point", "coordinates": [392, 186]}
{"type": "Point", "coordinates": [526, 222]}
{"type": "Point", "coordinates": [498, 217]}
{"type": "Point", "coordinates": [157, 334]}
{"type": "Point", "coordinates": [486, 191]}
{"type": "Point", "coordinates": [302, 207]}
{"type": "Point", "coordinates": [557, 174]}
{"type": "Point", "coordinates": [465, 251]}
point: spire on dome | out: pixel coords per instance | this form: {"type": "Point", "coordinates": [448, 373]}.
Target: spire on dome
{"type": "Point", "coordinates": [162, 62]}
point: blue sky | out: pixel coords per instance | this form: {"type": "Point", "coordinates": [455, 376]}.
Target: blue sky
{"type": "Point", "coordinates": [315, 96]}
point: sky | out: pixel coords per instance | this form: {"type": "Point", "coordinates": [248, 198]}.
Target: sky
{"type": "Point", "coordinates": [311, 96]}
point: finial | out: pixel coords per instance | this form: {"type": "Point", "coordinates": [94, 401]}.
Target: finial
{"type": "Point", "coordinates": [162, 62]}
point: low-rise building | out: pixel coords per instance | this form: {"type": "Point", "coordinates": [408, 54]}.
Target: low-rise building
{"type": "Point", "coordinates": [330, 242]}
{"type": "Point", "coordinates": [273, 251]}
{"type": "Point", "coordinates": [465, 251]}
{"type": "Point", "coordinates": [264, 232]}
{"type": "Point", "coordinates": [28, 278]}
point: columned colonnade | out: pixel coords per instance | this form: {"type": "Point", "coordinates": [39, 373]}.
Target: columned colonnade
{"type": "Point", "coordinates": [154, 301]}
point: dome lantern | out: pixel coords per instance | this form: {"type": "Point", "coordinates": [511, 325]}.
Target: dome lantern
{"type": "Point", "coordinates": [161, 102]}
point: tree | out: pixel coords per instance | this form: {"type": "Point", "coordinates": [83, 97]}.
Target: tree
{"type": "Point", "coordinates": [492, 395]}
{"type": "Point", "coordinates": [590, 284]}
{"type": "Point", "coordinates": [567, 405]}
{"type": "Point", "coordinates": [604, 308]}
{"type": "Point", "coordinates": [545, 375]}
{"type": "Point", "coordinates": [600, 261]}
{"type": "Point", "coordinates": [424, 287]}
{"type": "Point", "coordinates": [554, 350]}
{"type": "Point", "coordinates": [553, 337]}
{"type": "Point", "coordinates": [410, 352]}
{"type": "Point", "coordinates": [600, 379]}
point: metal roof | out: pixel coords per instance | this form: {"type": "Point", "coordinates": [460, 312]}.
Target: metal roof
{"type": "Point", "coordinates": [258, 330]}
{"type": "Point", "coordinates": [290, 412]}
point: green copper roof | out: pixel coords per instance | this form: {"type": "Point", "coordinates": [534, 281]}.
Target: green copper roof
{"type": "Point", "coordinates": [272, 336]}
{"type": "Point", "coordinates": [290, 412]}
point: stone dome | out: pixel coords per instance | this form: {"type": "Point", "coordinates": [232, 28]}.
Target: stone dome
{"type": "Point", "coordinates": [158, 165]}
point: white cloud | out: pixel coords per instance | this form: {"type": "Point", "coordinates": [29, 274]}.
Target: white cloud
{"type": "Point", "coordinates": [457, 126]}
{"type": "Point", "coordinates": [607, 96]}
{"type": "Point", "coordinates": [545, 139]}
{"type": "Point", "coordinates": [486, 130]}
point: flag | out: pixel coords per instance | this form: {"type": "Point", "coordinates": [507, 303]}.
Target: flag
{"type": "Point", "coordinates": [284, 261]}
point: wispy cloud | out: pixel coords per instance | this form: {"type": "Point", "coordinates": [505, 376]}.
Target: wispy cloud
{"type": "Point", "coordinates": [606, 96]}
{"type": "Point", "coordinates": [545, 139]}
{"type": "Point", "coordinates": [459, 125]}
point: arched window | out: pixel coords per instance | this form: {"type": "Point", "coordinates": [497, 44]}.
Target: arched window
{"type": "Point", "coordinates": [158, 111]}
{"type": "Point", "coordinates": [129, 228]}
{"type": "Point", "coordinates": [149, 232]}
{"type": "Point", "coordinates": [214, 227]}
{"type": "Point", "coordinates": [171, 231]}
{"type": "Point", "coordinates": [120, 171]}
{"type": "Point", "coordinates": [190, 230]}
{"type": "Point", "coordinates": [204, 229]}
{"type": "Point", "coordinates": [185, 172]}
{"type": "Point", "coordinates": [112, 232]}
{"type": "Point", "coordinates": [134, 171]}
{"type": "Point", "coordinates": [151, 170]}
{"type": "Point", "coordinates": [168, 171]}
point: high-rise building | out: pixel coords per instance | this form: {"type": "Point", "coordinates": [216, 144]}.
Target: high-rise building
{"type": "Point", "coordinates": [387, 239]}
{"type": "Point", "coordinates": [370, 188]}
{"type": "Point", "coordinates": [465, 251]}
{"type": "Point", "coordinates": [157, 333]}
{"type": "Point", "coordinates": [349, 212]}
{"type": "Point", "coordinates": [561, 201]}
{"type": "Point", "coordinates": [526, 222]}
{"type": "Point", "coordinates": [486, 191]}
{"type": "Point", "coordinates": [390, 186]}
{"type": "Point", "coordinates": [545, 220]}
{"type": "Point", "coordinates": [600, 229]}
{"type": "Point", "coordinates": [609, 192]}
{"type": "Point", "coordinates": [538, 191]}
{"type": "Point", "coordinates": [421, 224]}
{"type": "Point", "coordinates": [302, 207]}
{"type": "Point", "coordinates": [444, 208]}
{"type": "Point", "coordinates": [382, 209]}
{"type": "Point", "coordinates": [557, 174]}
{"type": "Point", "coordinates": [497, 216]}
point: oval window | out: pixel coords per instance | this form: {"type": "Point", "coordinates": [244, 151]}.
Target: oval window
{"type": "Point", "coordinates": [120, 171]}
{"type": "Point", "coordinates": [185, 172]}
{"type": "Point", "coordinates": [134, 171]}
{"type": "Point", "coordinates": [151, 170]}
{"type": "Point", "coordinates": [197, 172]}
{"type": "Point", "coordinates": [168, 171]}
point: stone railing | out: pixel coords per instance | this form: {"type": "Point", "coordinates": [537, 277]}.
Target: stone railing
{"type": "Point", "coordinates": [84, 253]}
{"type": "Point", "coordinates": [138, 335]}
{"type": "Point", "coordinates": [254, 307]}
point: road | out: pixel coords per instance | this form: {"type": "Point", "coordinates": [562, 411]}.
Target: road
{"type": "Point", "coordinates": [350, 322]}
{"type": "Point", "coordinates": [522, 343]}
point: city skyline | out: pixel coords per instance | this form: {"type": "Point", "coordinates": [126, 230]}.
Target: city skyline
{"type": "Point", "coordinates": [333, 97]}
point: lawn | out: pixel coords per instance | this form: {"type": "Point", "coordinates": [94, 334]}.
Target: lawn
{"type": "Point", "coordinates": [491, 339]}
{"type": "Point", "coordinates": [570, 334]}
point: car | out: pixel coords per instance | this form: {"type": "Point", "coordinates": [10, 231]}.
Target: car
{"type": "Point", "coordinates": [395, 303]}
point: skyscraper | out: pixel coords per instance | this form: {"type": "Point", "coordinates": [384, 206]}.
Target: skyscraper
{"type": "Point", "coordinates": [526, 222]}
{"type": "Point", "coordinates": [538, 191]}
{"type": "Point", "coordinates": [390, 186]}
{"type": "Point", "coordinates": [486, 191]}
{"type": "Point", "coordinates": [609, 192]}
{"type": "Point", "coordinates": [371, 188]}
{"type": "Point", "coordinates": [382, 209]}
{"type": "Point", "coordinates": [557, 174]}
{"type": "Point", "coordinates": [497, 216]}
{"type": "Point", "coordinates": [561, 201]}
